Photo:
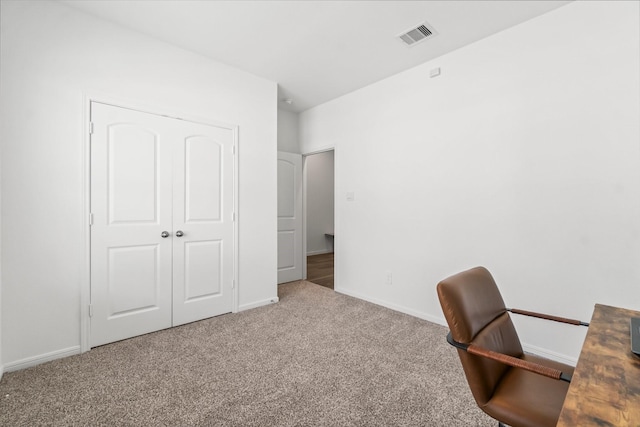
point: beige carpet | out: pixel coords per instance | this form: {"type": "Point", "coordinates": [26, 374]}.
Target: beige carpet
{"type": "Point", "coordinates": [317, 358]}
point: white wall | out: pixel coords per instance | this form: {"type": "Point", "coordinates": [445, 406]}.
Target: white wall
{"type": "Point", "coordinates": [52, 56]}
{"type": "Point", "coordinates": [288, 138]}
{"type": "Point", "coordinates": [523, 156]}
{"type": "Point", "coordinates": [1, 364]}
{"type": "Point", "coordinates": [319, 169]}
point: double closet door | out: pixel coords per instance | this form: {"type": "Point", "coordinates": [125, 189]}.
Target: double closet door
{"type": "Point", "coordinates": [162, 232]}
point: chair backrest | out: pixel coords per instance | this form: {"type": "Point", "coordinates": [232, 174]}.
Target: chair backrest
{"type": "Point", "coordinates": [476, 314]}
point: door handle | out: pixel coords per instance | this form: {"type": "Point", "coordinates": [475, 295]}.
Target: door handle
{"type": "Point", "coordinates": [164, 234]}
{"type": "Point", "coordinates": [179, 233]}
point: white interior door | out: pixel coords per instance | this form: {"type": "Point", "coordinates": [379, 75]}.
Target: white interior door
{"type": "Point", "coordinates": [131, 203]}
{"type": "Point", "coordinates": [162, 232]}
{"type": "Point", "coordinates": [289, 217]}
{"type": "Point", "coordinates": [202, 223]}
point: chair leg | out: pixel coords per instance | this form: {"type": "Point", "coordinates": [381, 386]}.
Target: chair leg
{"type": "Point", "coordinates": [500, 424]}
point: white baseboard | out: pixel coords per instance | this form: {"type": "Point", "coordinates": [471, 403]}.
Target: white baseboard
{"type": "Point", "coordinates": [396, 307]}
{"type": "Point", "coordinates": [320, 252]}
{"type": "Point", "coordinates": [42, 358]}
{"type": "Point", "coordinates": [258, 304]}
{"type": "Point", "coordinates": [548, 354]}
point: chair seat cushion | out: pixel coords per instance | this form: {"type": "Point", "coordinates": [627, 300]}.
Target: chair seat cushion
{"type": "Point", "coordinates": [543, 397]}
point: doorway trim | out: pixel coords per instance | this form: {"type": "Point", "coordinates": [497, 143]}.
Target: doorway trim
{"type": "Point", "coordinates": [158, 110]}
{"type": "Point", "coordinates": [304, 210]}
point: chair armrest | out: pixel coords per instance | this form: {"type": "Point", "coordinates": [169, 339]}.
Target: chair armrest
{"type": "Point", "coordinates": [536, 368]}
{"type": "Point", "coordinates": [547, 317]}
{"type": "Point", "coordinates": [556, 374]}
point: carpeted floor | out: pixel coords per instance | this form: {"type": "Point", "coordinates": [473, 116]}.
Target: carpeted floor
{"type": "Point", "coordinates": [317, 358]}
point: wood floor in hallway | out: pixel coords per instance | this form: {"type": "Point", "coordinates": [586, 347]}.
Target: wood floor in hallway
{"type": "Point", "coordinates": [320, 269]}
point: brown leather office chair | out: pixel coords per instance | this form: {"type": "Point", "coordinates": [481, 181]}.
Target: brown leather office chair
{"type": "Point", "coordinates": [512, 387]}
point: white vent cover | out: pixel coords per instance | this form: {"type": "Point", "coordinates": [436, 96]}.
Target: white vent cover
{"type": "Point", "coordinates": [416, 35]}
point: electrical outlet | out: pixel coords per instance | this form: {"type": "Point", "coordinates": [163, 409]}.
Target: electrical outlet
{"type": "Point", "coordinates": [389, 280]}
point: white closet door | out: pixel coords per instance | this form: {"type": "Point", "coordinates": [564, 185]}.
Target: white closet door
{"type": "Point", "coordinates": [162, 238]}
{"type": "Point", "coordinates": [131, 203]}
{"type": "Point", "coordinates": [203, 223]}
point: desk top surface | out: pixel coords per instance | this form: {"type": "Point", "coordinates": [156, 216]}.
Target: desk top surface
{"type": "Point", "coordinates": [605, 388]}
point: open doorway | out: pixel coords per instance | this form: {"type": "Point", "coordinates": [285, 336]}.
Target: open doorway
{"type": "Point", "coordinates": [319, 170]}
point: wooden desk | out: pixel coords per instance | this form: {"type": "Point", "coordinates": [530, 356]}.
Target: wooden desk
{"type": "Point", "coordinates": [605, 388]}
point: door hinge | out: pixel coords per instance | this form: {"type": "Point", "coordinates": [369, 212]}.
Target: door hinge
{"type": "Point", "coordinates": [90, 128]}
{"type": "Point", "coordinates": [90, 310]}
{"type": "Point", "coordinates": [90, 218]}
{"type": "Point", "coordinates": [233, 284]}
{"type": "Point", "coordinates": [233, 217]}
{"type": "Point", "coordinates": [233, 150]}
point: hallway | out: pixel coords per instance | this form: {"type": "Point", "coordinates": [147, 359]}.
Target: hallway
{"type": "Point", "coordinates": [320, 269]}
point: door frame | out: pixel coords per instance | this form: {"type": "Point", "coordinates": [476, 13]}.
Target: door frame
{"type": "Point", "coordinates": [158, 110]}
{"type": "Point", "coordinates": [304, 210]}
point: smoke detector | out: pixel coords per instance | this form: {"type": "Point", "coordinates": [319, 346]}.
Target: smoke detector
{"type": "Point", "coordinates": [418, 34]}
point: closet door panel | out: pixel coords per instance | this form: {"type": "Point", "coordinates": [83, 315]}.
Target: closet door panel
{"type": "Point", "coordinates": [131, 204]}
{"type": "Point", "coordinates": [203, 214]}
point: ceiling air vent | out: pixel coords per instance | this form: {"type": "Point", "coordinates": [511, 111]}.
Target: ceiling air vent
{"type": "Point", "coordinates": [416, 35]}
